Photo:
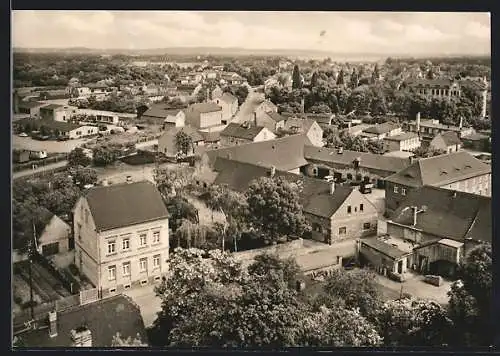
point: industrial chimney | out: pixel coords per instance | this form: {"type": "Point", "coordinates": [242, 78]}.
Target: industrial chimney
{"type": "Point", "coordinates": [461, 122]}
{"type": "Point", "coordinates": [53, 324]}
{"type": "Point", "coordinates": [332, 188]}
{"type": "Point", "coordinates": [418, 121]}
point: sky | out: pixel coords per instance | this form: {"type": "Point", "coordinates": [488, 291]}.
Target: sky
{"type": "Point", "coordinates": [342, 32]}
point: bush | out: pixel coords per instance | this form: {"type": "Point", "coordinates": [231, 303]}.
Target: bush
{"type": "Point", "coordinates": [73, 270]}
{"type": "Point", "coordinates": [18, 300]}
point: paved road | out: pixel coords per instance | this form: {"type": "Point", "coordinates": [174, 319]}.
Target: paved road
{"type": "Point", "coordinates": [48, 167]}
{"type": "Point", "coordinates": [246, 109]}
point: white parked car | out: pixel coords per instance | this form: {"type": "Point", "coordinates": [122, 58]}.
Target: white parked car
{"type": "Point", "coordinates": [329, 179]}
{"type": "Point", "coordinates": [23, 134]}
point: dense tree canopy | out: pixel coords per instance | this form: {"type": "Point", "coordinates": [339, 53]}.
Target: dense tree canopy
{"type": "Point", "coordinates": [274, 208]}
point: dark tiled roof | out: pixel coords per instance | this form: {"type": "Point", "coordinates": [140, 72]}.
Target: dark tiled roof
{"type": "Point", "coordinates": [123, 205]}
{"type": "Point", "coordinates": [248, 132]}
{"type": "Point", "coordinates": [30, 104]}
{"type": "Point", "coordinates": [440, 170]}
{"type": "Point", "coordinates": [52, 107]}
{"type": "Point", "coordinates": [158, 111]}
{"type": "Point", "coordinates": [210, 136]}
{"type": "Point", "coordinates": [402, 137]}
{"type": "Point", "coordinates": [473, 84]}
{"type": "Point", "coordinates": [449, 214]}
{"type": "Point", "coordinates": [238, 176]}
{"type": "Point", "coordinates": [384, 248]}
{"type": "Point", "coordinates": [275, 116]}
{"type": "Point", "coordinates": [367, 160]}
{"type": "Point", "coordinates": [285, 153]}
{"type": "Point", "coordinates": [302, 124]}
{"type": "Point", "coordinates": [326, 205]}
{"type": "Point", "coordinates": [204, 107]}
{"type": "Point", "coordinates": [103, 318]}
{"type": "Point", "coordinates": [189, 130]}
{"type": "Point", "coordinates": [381, 128]}
{"type": "Point", "coordinates": [431, 82]}
{"type": "Point", "coordinates": [228, 98]}
{"type": "Point", "coordinates": [450, 138]}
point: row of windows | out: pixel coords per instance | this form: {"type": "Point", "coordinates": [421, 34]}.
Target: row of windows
{"type": "Point", "coordinates": [143, 242]}
{"type": "Point", "coordinates": [397, 190]}
{"type": "Point", "coordinates": [343, 229]}
{"type": "Point", "coordinates": [439, 92]}
{"type": "Point", "coordinates": [126, 267]}
{"type": "Point", "coordinates": [349, 208]}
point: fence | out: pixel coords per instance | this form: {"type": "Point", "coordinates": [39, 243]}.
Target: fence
{"type": "Point", "coordinates": [39, 163]}
{"type": "Point", "coordinates": [285, 250]}
{"type": "Point", "coordinates": [88, 296]}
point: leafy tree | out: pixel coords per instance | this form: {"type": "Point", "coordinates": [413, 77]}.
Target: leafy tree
{"type": "Point", "coordinates": [180, 210]}
{"type": "Point", "coordinates": [354, 79]}
{"type": "Point", "coordinates": [358, 288]}
{"type": "Point", "coordinates": [274, 268]}
{"type": "Point", "coordinates": [118, 341]}
{"type": "Point", "coordinates": [411, 322]}
{"type": "Point", "coordinates": [241, 93]}
{"type": "Point", "coordinates": [274, 208]}
{"type": "Point", "coordinates": [183, 142]}
{"type": "Point", "coordinates": [314, 79]}
{"type": "Point", "coordinates": [427, 151]}
{"type": "Point", "coordinates": [338, 327]}
{"type": "Point", "coordinates": [320, 108]}
{"type": "Point", "coordinates": [104, 155]}
{"type": "Point", "coordinates": [171, 182]}
{"type": "Point", "coordinates": [232, 205]}
{"type": "Point", "coordinates": [296, 80]}
{"type": "Point", "coordinates": [340, 78]}
{"type": "Point", "coordinates": [84, 176]}
{"type": "Point", "coordinates": [470, 299]}
{"type": "Point", "coordinates": [375, 74]}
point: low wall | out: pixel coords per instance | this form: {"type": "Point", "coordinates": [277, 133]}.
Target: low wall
{"type": "Point", "coordinates": [284, 250]}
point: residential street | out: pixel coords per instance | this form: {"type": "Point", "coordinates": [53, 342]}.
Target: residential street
{"type": "Point", "coordinates": [48, 167]}
{"type": "Point", "coordinates": [246, 109]}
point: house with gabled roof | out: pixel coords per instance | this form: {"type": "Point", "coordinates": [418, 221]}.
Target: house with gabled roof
{"type": "Point", "coordinates": [308, 127]}
{"type": "Point", "coordinates": [335, 212]}
{"type": "Point", "coordinates": [343, 213]}
{"type": "Point", "coordinates": [456, 171]}
{"type": "Point", "coordinates": [447, 142]}
{"type": "Point", "coordinates": [271, 120]}
{"type": "Point", "coordinates": [286, 154]}
{"type": "Point", "coordinates": [351, 165]}
{"type": "Point", "coordinates": [162, 114]}
{"type": "Point", "coordinates": [229, 104]}
{"type": "Point", "coordinates": [381, 131]}
{"type": "Point", "coordinates": [31, 108]}
{"type": "Point", "coordinates": [204, 115]}
{"type": "Point", "coordinates": [121, 236]}
{"type": "Point", "coordinates": [443, 224]}
{"type": "Point", "coordinates": [237, 134]}
{"type": "Point", "coordinates": [167, 142]}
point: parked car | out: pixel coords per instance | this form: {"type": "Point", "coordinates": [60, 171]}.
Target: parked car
{"type": "Point", "coordinates": [329, 179]}
{"type": "Point", "coordinates": [23, 134]}
{"type": "Point", "coordinates": [366, 188]}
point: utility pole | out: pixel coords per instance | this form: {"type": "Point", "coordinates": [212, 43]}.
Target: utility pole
{"type": "Point", "coordinates": [30, 258]}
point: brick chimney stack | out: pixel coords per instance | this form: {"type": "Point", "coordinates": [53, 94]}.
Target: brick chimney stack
{"type": "Point", "coordinates": [53, 324]}
{"type": "Point", "coordinates": [82, 337]}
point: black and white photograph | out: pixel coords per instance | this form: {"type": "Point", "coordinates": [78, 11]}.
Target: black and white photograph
{"type": "Point", "coordinates": [251, 179]}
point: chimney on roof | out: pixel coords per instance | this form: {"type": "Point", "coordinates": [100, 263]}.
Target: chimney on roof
{"type": "Point", "coordinates": [418, 121]}
{"type": "Point", "coordinates": [332, 188]}
{"type": "Point", "coordinates": [53, 324]}
{"type": "Point", "coordinates": [272, 171]}
{"type": "Point", "coordinates": [81, 337]}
